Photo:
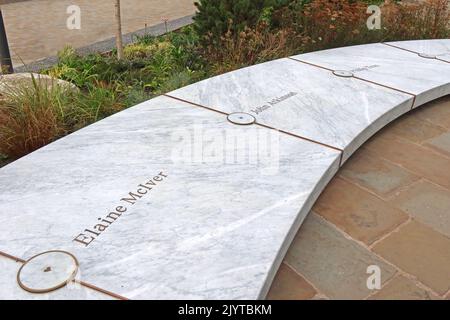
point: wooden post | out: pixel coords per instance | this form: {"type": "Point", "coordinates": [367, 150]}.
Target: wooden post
{"type": "Point", "coordinates": [119, 41]}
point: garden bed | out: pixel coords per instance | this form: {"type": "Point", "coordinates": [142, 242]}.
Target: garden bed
{"type": "Point", "coordinates": [222, 38]}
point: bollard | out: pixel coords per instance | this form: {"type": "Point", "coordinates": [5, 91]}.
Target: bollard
{"type": "Point", "coordinates": [5, 56]}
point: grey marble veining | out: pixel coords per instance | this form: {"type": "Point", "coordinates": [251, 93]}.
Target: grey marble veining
{"type": "Point", "coordinates": [428, 79]}
{"type": "Point", "coordinates": [168, 200]}
{"type": "Point", "coordinates": [303, 100]}
{"type": "Point", "coordinates": [434, 47]}
{"type": "Point", "coordinates": [221, 212]}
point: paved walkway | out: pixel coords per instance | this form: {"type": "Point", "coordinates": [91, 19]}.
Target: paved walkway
{"type": "Point", "coordinates": [37, 28]}
{"type": "Point", "coordinates": [388, 206]}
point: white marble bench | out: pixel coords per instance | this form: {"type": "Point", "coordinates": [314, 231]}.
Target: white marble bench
{"type": "Point", "coordinates": [170, 200]}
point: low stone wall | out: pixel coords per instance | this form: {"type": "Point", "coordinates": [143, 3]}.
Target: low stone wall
{"type": "Point", "coordinates": [198, 194]}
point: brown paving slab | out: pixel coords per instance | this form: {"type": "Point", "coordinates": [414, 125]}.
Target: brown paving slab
{"type": "Point", "coordinates": [408, 168]}
{"type": "Point", "coordinates": [437, 112]}
{"type": "Point", "coordinates": [335, 265]}
{"type": "Point", "coordinates": [428, 204]}
{"type": "Point", "coordinates": [420, 251]}
{"type": "Point", "coordinates": [37, 29]}
{"type": "Point", "coordinates": [414, 129]}
{"type": "Point", "coordinates": [360, 214]}
{"type": "Point", "coordinates": [289, 285]}
{"type": "Point", "coordinates": [402, 288]}
{"type": "Point", "coordinates": [420, 160]}
{"type": "Point", "coordinates": [440, 144]}
{"type": "Point", "coordinates": [376, 174]}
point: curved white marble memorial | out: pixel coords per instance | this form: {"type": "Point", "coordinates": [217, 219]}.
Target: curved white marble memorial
{"type": "Point", "coordinates": [438, 49]}
{"type": "Point", "coordinates": [171, 200]}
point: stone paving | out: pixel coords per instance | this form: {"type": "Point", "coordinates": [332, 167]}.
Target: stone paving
{"type": "Point", "coordinates": [37, 29]}
{"type": "Point", "coordinates": [388, 206]}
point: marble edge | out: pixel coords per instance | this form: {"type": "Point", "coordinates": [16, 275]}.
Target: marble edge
{"type": "Point", "coordinates": [322, 183]}
{"type": "Point", "coordinates": [420, 98]}
{"type": "Point", "coordinates": [81, 131]}
{"type": "Point", "coordinates": [394, 113]}
{"type": "Point", "coordinates": [431, 95]}
{"type": "Point", "coordinates": [297, 56]}
{"type": "Point", "coordinates": [397, 44]}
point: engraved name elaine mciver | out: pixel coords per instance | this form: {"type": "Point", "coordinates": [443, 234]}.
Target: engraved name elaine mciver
{"type": "Point", "coordinates": [88, 235]}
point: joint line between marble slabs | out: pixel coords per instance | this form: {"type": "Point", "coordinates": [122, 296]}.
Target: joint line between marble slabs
{"type": "Point", "coordinates": [300, 137]}
{"type": "Point", "coordinates": [84, 284]}
{"type": "Point", "coordinates": [195, 104]}
{"type": "Point", "coordinates": [392, 46]}
{"type": "Point", "coordinates": [442, 60]}
{"type": "Point", "coordinates": [418, 53]}
{"type": "Point", "coordinates": [311, 64]}
{"type": "Point", "coordinates": [16, 259]}
{"type": "Point", "coordinates": [95, 288]}
{"type": "Point", "coordinates": [341, 159]}
{"type": "Point", "coordinates": [414, 102]}
{"type": "Point", "coordinates": [257, 123]}
{"type": "Point", "coordinates": [358, 78]}
{"type": "Point", "coordinates": [388, 87]}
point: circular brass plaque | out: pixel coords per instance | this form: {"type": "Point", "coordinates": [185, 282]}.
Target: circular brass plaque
{"type": "Point", "coordinates": [241, 118]}
{"type": "Point", "coordinates": [427, 56]}
{"type": "Point", "coordinates": [343, 73]}
{"type": "Point", "coordinates": [47, 271]}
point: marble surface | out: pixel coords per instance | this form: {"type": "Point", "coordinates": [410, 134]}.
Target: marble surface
{"type": "Point", "coordinates": [10, 290]}
{"type": "Point", "coordinates": [435, 47]}
{"type": "Point", "coordinates": [169, 200]}
{"type": "Point", "coordinates": [444, 57]}
{"type": "Point", "coordinates": [303, 100]}
{"type": "Point", "coordinates": [48, 271]}
{"type": "Point", "coordinates": [222, 210]}
{"type": "Point", "coordinates": [427, 79]}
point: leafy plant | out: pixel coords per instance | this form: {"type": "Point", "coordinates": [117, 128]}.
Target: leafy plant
{"type": "Point", "coordinates": [226, 35]}
{"type": "Point", "coordinates": [251, 46]}
{"type": "Point", "coordinates": [213, 17]}
{"type": "Point", "coordinates": [31, 117]}
{"type": "Point", "coordinates": [424, 20]}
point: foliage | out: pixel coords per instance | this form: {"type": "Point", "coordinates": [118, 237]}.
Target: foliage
{"type": "Point", "coordinates": [226, 35]}
{"type": "Point", "coordinates": [428, 20]}
{"type": "Point", "coordinates": [332, 23]}
{"type": "Point", "coordinates": [3, 160]}
{"type": "Point", "coordinates": [251, 46]}
{"type": "Point", "coordinates": [213, 17]}
{"type": "Point", "coordinates": [322, 24]}
{"type": "Point", "coordinates": [31, 117]}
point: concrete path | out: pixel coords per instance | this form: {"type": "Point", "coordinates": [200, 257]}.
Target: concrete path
{"type": "Point", "coordinates": [37, 29]}
{"type": "Point", "coordinates": [391, 211]}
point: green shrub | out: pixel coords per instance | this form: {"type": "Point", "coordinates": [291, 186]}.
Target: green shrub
{"type": "Point", "coordinates": [3, 160]}
{"type": "Point", "coordinates": [215, 18]}
{"type": "Point", "coordinates": [96, 104]}
{"type": "Point", "coordinates": [429, 19]}
{"type": "Point", "coordinates": [226, 35]}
